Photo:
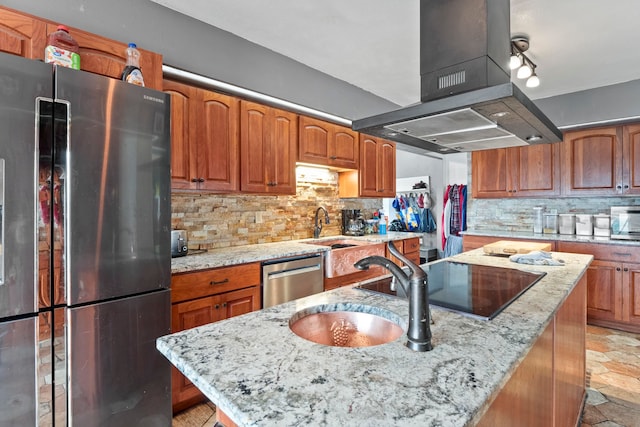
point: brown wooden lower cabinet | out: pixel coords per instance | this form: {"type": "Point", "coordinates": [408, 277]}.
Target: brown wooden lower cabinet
{"type": "Point", "coordinates": [548, 388]}
{"type": "Point", "coordinates": [613, 284]}
{"type": "Point", "coordinates": [204, 297]}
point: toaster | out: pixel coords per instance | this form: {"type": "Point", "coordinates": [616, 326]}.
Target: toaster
{"type": "Point", "coordinates": [178, 243]}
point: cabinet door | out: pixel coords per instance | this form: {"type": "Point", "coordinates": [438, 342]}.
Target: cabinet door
{"type": "Point", "coordinates": [592, 163]}
{"type": "Point", "coordinates": [281, 162]}
{"type": "Point", "coordinates": [535, 170]}
{"type": "Point", "coordinates": [368, 180]}
{"type": "Point", "coordinates": [254, 147]}
{"type": "Point", "coordinates": [489, 176]}
{"type": "Point", "coordinates": [313, 146]}
{"type": "Point", "coordinates": [239, 302]}
{"type": "Point", "coordinates": [631, 295]}
{"type": "Point", "coordinates": [386, 169]}
{"type": "Point", "coordinates": [631, 157]}
{"type": "Point", "coordinates": [22, 35]}
{"type": "Point", "coordinates": [184, 174]}
{"type": "Point", "coordinates": [217, 139]}
{"type": "Point", "coordinates": [107, 57]}
{"type": "Point", "coordinates": [187, 315]}
{"type": "Point", "coordinates": [604, 280]}
{"type": "Point", "coordinates": [344, 151]}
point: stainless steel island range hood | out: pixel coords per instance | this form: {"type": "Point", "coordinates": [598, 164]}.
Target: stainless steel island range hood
{"type": "Point", "coordinates": [468, 100]}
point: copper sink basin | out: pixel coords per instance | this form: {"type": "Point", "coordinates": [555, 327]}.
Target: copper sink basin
{"type": "Point", "coordinates": [345, 252]}
{"type": "Point", "coordinates": [348, 326]}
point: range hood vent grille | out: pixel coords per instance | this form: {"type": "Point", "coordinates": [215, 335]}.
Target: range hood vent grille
{"type": "Point", "coordinates": [464, 54]}
{"type": "Point", "coordinates": [453, 79]}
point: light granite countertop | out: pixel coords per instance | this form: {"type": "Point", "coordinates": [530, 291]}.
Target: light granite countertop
{"type": "Point", "coordinates": [261, 374]}
{"type": "Point", "coordinates": [530, 235]}
{"type": "Point", "coordinates": [222, 257]}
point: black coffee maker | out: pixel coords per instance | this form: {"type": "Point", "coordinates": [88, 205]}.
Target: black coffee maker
{"type": "Point", "coordinates": [352, 222]}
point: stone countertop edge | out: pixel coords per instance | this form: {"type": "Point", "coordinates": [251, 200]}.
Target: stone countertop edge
{"type": "Point", "coordinates": [261, 374]}
{"type": "Point", "coordinates": [529, 235]}
{"type": "Point", "coordinates": [234, 255]}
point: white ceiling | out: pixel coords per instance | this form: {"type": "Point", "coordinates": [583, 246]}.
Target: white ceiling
{"type": "Point", "coordinates": [374, 44]}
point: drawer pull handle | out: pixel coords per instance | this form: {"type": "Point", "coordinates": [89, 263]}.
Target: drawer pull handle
{"type": "Point", "coordinates": [622, 254]}
{"type": "Point", "coordinates": [220, 282]}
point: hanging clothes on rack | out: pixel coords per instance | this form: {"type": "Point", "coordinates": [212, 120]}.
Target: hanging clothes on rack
{"type": "Point", "coordinates": [454, 218]}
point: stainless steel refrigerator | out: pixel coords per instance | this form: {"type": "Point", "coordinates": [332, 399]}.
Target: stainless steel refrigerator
{"type": "Point", "coordinates": [85, 262]}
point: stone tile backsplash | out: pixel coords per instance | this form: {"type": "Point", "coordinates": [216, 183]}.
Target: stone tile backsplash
{"type": "Point", "coordinates": [220, 220]}
{"type": "Point", "coordinates": [517, 214]}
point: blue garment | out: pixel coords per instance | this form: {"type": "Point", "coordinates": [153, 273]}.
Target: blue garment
{"type": "Point", "coordinates": [453, 245]}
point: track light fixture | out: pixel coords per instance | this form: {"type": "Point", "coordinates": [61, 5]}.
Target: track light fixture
{"type": "Point", "coordinates": [526, 68]}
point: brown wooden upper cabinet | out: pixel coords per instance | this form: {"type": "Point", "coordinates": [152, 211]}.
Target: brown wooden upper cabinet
{"type": "Point", "coordinates": [327, 144]}
{"type": "Point", "coordinates": [516, 172]}
{"type": "Point", "coordinates": [268, 143]}
{"type": "Point", "coordinates": [602, 161]}
{"type": "Point", "coordinates": [107, 57]}
{"type": "Point", "coordinates": [376, 176]}
{"type": "Point", "coordinates": [22, 35]}
{"type": "Point", "coordinates": [205, 144]}
{"type": "Point", "coordinates": [25, 35]}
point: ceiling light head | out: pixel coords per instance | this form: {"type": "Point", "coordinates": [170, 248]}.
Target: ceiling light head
{"type": "Point", "coordinates": [533, 81]}
{"type": "Point", "coordinates": [521, 43]}
{"type": "Point", "coordinates": [524, 71]}
{"type": "Point", "coordinates": [515, 61]}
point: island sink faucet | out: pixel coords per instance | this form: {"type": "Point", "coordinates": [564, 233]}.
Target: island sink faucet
{"type": "Point", "coordinates": [318, 224]}
{"type": "Point", "coordinates": [416, 287]}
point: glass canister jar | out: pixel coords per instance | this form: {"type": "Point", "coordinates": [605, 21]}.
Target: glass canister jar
{"type": "Point", "coordinates": [550, 223]}
{"type": "Point", "coordinates": [537, 219]}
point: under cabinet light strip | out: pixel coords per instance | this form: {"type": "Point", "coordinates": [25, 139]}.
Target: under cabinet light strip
{"type": "Point", "coordinates": [600, 123]}
{"type": "Point", "coordinates": [186, 76]}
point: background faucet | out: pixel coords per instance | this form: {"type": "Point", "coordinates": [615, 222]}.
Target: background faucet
{"type": "Point", "coordinates": [416, 287]}
{"type": "Point", "coordinates": [318, 224]}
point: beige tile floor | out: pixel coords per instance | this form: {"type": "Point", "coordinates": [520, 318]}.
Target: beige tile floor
{"type": "Point", "coordinates": [613, 379]}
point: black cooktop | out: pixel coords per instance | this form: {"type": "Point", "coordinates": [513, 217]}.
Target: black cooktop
{"type": "Point", "coordinates": [477, 290]}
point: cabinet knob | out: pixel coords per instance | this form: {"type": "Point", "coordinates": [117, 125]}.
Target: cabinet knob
{"type": "Point", "coordinates": [217, 306]}
{"type": "Point", "coordinates": [618, 187]}
{"type": "Point", "coordinates": [626, 186]}
{"type": "Point", "coordinates": [194, 179]}
{"type": "Point", "coordinates": [200, 179]}
{"type": "Point", "coordinates": [333, 157]}
{"type": "Point", "coordinates": [625, 269]}
{"type": "Point", "coordinates": [617, 268]}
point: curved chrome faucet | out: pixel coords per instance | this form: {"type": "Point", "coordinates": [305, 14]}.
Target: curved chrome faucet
{"type": "Point", "coordinates": [416, 287]}
{"type": "Point", "coordinates": [318, 224]}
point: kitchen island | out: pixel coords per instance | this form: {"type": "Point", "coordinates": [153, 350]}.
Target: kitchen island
{"type": "Point", "coordinates": [259, 373]}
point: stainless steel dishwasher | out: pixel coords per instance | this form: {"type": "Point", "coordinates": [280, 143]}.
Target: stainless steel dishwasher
{"type": "Point", "coordinates": [287, 279]}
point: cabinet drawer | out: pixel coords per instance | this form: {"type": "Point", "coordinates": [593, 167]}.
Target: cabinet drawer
{"type": "Point", "coordinates": [188, 286]}
{"type": "Point", "coordinates": [412, 245]}
{"type": "Point", "coordinates": [620, 253]}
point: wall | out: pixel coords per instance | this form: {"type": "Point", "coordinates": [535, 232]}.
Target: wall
{"type": "Point", "coordinates": [192, 45]}
{"type": "Point", "coordinates": [218, 221]}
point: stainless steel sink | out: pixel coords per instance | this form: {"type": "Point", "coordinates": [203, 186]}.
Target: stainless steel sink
{"type": "Point", "coordinates": [344, 253]}
{"type": "Point", "coordinates": [347, 326]}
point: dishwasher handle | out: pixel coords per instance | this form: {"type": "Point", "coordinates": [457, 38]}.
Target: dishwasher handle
{"type": "Point", "coordinates": [293, 272]}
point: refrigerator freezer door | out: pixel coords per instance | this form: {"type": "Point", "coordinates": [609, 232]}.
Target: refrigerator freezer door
{"type": "Point", "coordinates": [116, 189]}
{"type": "Point", "coordinates": [116, 375]}
{"type": "Point", "coordinates": [21, 81]}
{"type": "Point", "coordinates": [18, 373]}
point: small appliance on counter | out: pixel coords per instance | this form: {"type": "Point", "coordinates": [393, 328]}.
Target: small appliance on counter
{"type": "Point", "coordinates": [178, 243]}
{"type": "Point", "coordinates": [352, 222]}
{"type": "Point", "coordinates": [625, 222]}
